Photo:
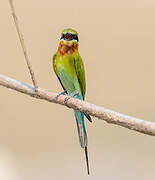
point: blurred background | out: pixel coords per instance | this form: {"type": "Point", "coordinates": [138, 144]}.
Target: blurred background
{"type": "Point", "coordinates": [38, 140]}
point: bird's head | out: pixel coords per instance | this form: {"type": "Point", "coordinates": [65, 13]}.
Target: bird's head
{"type": "Point", "coordinates": [69, 37]}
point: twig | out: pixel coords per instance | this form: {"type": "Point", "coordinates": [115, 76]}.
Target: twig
{"type": "Point", "coordinates": [23, 45]}
{"type": "Point", "coordinates": [109, 116]}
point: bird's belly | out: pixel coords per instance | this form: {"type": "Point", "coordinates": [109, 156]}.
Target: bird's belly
{"type": "Point", "coordinates": [67, 80]}
{"type": "Point", "coordinates": [67, 74]}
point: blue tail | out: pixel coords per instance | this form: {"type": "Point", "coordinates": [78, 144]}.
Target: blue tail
{"type": "Point", "coordinates": [81, 128]}
{"type": "Point", "coordinates": [82, 134]}
{"type": "Point", "coordinates": [81, 125]}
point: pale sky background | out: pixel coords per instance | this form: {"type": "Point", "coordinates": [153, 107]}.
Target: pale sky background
{"type": "Point", "coordinates": [38, 140]}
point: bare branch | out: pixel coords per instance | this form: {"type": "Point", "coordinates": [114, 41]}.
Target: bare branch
{"type": "Point", "coordinates": [109, 116]}
{"type": "Point", "coordinates": [23, 45]}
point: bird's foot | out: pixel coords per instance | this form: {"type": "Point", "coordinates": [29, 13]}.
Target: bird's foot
{"type": "Point", "coordinates": [73, 94]}
{"type": "Point", "coordinates": [62, 93]}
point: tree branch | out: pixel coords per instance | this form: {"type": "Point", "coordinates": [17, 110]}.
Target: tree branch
{"type": "Point", "coordinates": [23, 45]}
{"type": "Point", "coordinates": [107, 115]}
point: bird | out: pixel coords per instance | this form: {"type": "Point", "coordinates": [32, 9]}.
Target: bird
{"type": "Point", "coordinates": [69, 69]}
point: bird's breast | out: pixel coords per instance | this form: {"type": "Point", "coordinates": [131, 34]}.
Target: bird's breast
{"type": "Point", "coordinates": [65, 63]}
{"type": "Point", "coordinates": [66, 72]}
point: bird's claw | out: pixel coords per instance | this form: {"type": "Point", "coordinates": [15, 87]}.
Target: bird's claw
{"type": "Point", "coordinates": [73, 94]}
{"type": "Point", "coordinates": [62, 93]}
{"type": "Point", "coordinates": [66, 99]}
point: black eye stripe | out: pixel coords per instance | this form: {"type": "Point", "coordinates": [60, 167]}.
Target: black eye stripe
{"type": "Point", "coordinates": [62, 37]}
{"type": "Point", "coordinates": [71, 37]}
{"type": "Point", "coordinates": [75, 37]}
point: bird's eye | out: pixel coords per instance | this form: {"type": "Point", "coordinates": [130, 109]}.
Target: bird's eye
{"type": "Point", "coordinates": [75, 37]}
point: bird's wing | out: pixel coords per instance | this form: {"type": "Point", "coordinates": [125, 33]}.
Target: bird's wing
{"type": "Point", "coordinates": [55, 70]}
{"type": "Point", "coordinates": [54, 63]}
{"type": "Point", "coordinates": [79, 67]}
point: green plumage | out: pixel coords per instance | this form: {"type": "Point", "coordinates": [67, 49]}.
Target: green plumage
{"type": "Point", "coordinates": [69, 68]}
{"type": "Point", "coordinates": [70, 71]}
